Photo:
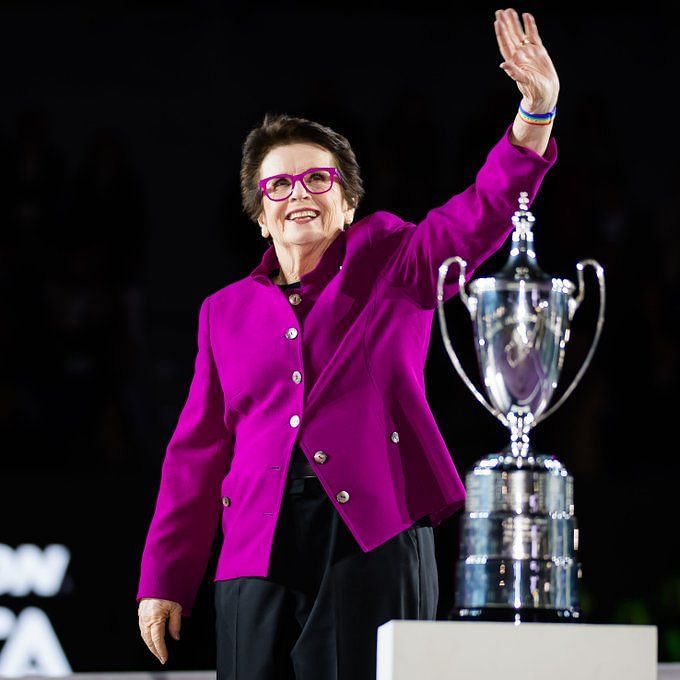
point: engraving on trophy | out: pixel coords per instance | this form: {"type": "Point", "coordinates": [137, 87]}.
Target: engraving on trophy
{"type": "Point", "coordinates": [522, 341]}
{"type": "Point", "coordinates": [519, 534]}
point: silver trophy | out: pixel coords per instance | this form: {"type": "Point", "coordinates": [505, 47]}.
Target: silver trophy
{"type": "Point", "coordinates": [519, 535]}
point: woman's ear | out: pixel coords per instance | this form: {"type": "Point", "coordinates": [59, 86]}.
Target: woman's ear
{"type": "Point", "coordinates": [263, 227]}
{"type": "Point", "coordinates": [348, 210]}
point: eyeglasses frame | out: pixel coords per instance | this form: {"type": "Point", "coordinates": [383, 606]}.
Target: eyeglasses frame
{"type": "Point", "coordinates": [334, 172]}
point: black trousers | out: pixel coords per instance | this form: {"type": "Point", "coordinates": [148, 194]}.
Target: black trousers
{"type": "Point", "coordinates": [315, 617]}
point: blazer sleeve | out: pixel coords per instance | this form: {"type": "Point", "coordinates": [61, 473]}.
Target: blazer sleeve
{"type": "Point", "coordinates": [472, 224]}
{"type": "Point", "coordinates": [188, 508]}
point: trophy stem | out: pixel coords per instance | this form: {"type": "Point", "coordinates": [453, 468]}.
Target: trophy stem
{"type": "Point", "coordinates": [520, 424]}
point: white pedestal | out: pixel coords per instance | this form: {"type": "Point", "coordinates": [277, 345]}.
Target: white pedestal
{"type": "Point", "coordinates": [462, 650]}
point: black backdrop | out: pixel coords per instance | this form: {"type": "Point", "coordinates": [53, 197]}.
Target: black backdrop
{"type": "Point", "coordinates": [120, 133]}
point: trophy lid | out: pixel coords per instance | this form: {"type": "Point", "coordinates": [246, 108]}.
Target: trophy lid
{"type": "Point", "coordinates": [522, 265]}
{"type": "Point", "coordinates": [521, 268]}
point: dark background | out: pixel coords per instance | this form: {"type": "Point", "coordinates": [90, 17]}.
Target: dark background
{"type": "Point", "coordinates": [121, 127]}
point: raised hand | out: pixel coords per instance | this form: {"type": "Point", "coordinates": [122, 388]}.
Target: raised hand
{"type": "Point", "coordinates": [527, 61]}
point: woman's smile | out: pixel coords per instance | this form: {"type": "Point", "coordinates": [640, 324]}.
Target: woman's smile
{"type": "Point", "coordinates": [302, 220]}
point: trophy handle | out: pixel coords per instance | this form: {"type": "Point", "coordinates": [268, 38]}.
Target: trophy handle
{"type": "Point", "coordinates": [573, 306]}
{"type": "Point", "coordinates": [471, 306]}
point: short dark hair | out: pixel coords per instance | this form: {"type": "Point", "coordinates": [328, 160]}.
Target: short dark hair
{"type": "Point", "coordinates": [281, 129]}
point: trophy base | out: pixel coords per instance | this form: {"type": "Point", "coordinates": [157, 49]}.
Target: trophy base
{"type": "Point", "coordinates": [515, 615]}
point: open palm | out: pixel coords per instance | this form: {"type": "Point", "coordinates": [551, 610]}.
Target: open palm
{"type": "Point", "coordinates": [527, 61]}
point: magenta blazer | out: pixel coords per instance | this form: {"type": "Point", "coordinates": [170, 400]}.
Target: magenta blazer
{"type": "Point", "coordinates": [364, 424]}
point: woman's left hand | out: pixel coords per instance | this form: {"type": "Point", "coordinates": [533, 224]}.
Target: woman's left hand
{"type": "Point", "coordinates": [529, 65]}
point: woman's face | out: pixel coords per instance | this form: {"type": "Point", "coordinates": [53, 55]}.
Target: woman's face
{"type": "Point", "coordinates": [334, 210]}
